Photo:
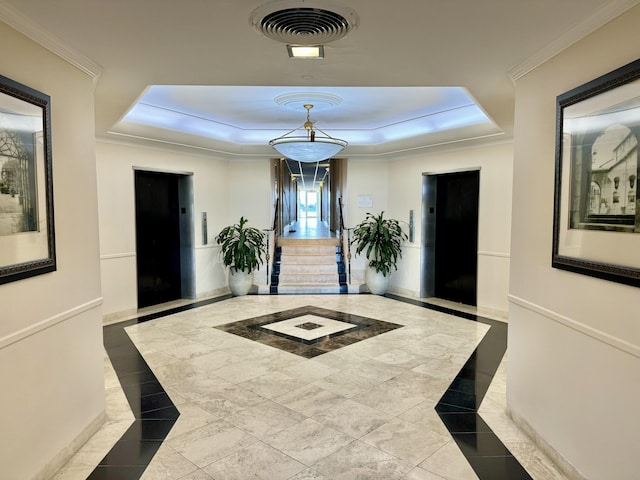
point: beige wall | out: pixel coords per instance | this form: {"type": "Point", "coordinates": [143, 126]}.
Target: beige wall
{"type": "Point", "coordinates": [224, 190]}
{"type": "Point", "coordinates": [574, 341]}
{"type": "Point", "coordinates": [364, 178]}
{"type": "Point", "coordinates": [494, 222]}
{"type": "Point", "coordinates": [229, 189]}
{"type": "Point", "coordinates": [50, 330]}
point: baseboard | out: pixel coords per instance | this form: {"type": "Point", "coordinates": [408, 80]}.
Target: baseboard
{"type": "Point", "coordinates": [404, 292]}
{"type": "Point", "coordinates": [71, 449]}
{"type": "Point", "coordinates": [213, 293]}
{"type": "Point", "coordinates": [566, 467]}
{"type": "Point", "coordinates": [493, 313]}
{"type": "Point", "coordinates": [117, 317]}
{"type": "Point", "coordinates": [479, 310]}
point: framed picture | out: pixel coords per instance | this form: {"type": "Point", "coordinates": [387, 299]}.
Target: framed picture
{"type": "Point", "coordinates": [597, 206]}
{"type": "Point", "coordinates": [27, 239]}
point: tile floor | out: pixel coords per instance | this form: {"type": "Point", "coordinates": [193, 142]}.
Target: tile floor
{"type": "Point", "coordinates": [191, 398]}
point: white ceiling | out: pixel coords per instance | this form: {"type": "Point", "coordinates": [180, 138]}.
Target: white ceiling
{"type": "Point", "coordinates": [374, 117]}
{"type": "Point", "coordinates": [218, 79]}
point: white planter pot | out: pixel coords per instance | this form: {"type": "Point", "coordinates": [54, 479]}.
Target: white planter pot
{"type": "Point", "coordinates": [240, 282]}
{"type": "Point", "coordinates": [376, 281]}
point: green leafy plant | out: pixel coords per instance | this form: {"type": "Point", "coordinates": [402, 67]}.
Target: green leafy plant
{"type": "Point", "coordinates": [243, 248]}
{"type": "Point", "coordinates": [382, 238]}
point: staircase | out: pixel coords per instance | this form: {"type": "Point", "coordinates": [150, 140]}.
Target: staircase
{"type": "Point", "coordinates": [308, 266]}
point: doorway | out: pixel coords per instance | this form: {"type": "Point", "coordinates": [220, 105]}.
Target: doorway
{"type": "Point", "coordinates": [164, 237]}
{"type": "Point", "coordinates": [307, 197]}
{"type": "Point", "coordinates": [308, 205]}
{"type": "Point", "coordinates": [450, 236]}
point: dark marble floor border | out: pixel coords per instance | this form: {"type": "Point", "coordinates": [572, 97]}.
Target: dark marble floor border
{"type": "Point", "coordinates": [458, 406]}
{"type": "Point", "coordinates": [155, 413]}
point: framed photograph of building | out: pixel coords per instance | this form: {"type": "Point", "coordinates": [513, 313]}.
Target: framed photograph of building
{"type": "Point", "coordinates": [27, 239]}
{"type": "Point", "coordinates": [597, 205]}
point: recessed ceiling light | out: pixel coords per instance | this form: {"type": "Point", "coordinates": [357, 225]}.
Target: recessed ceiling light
{"type": "Point", "coordinates": [305, 51]}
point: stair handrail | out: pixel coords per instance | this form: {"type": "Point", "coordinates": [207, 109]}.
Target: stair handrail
{"type": "Point", "coordinates": [271, 245]}
{"type": "Point", "coordinates": [275, 215]}
{"type": "Point", "coordinates": [268, 255]}
{"type": "Point", "coordinates": [342, 239]}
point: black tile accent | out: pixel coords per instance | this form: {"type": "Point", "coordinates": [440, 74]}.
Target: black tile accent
{"type": "Point", "coordinates": [169, 413]}
{"type": "Point", "coordinates": [154, 412]}
{"type": "Point", "coordinates": [363, 328]}
{"type": "Point", "coordinates": [480, 444]}
{"type": "Point", "coordinates": [136, 378]}
{"type": "Point", "coordinates": [498, 468]}
{"type": "Point", "coordinates": [148, 430]}
{"type": "Point", "coordinates": [117, 472]}
{"type": "Point", "coordinates": [465, 422]}
{"type": "Point", "coordinates": [142, 389]}
{"type": "Point", "coordinates": [458, 407]}
{"type": "Point", "coordinates": [131, 452]}
{"type": "Point", "coordinates": [152, 403]}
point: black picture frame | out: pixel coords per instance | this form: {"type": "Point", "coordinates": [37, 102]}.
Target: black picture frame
{"type": "Point", "coordinates": [596, 219]}
{"type": "Point", "coordinates": [27, 232]}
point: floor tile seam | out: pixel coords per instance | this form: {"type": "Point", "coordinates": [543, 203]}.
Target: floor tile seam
{"type": "Point", "coordinates": [405, 460]}
{"type": "Point", "coordinates": [153, 410]}
{"type": "Point", "coordinates": [146, 441]}
{"type": "Point", "coordinates": [311, 465]}
{"type": "Point", "coordinates": [460, 390]}
{"type": "Point", "coordinates": [228, 455]}
{"type": "Point", "coordinates": [151, 382]}
{"type": "Point", "coordinates": [392, 416]}
{"type": "Point", "coordinates": [492, 456]}
{"type": "Point", "coordinates": [167, 445]}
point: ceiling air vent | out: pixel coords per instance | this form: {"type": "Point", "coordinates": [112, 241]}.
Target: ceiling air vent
{"type": "Point", "coordinates": [303, 25]}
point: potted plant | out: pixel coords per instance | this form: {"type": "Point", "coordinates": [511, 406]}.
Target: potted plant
{"type": "Point", "coordinates": [243, 250]}
{"type": "Point", "coordinates": [381, 239]}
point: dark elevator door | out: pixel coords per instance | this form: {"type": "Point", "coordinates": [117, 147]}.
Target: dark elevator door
{"type": "Point", "coordinates": [157, 237]}
{"type": "Point", "coordinates": [456, 245]}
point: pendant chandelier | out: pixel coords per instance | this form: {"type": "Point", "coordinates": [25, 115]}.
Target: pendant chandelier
{"type": "Point", "coordinates": [308, 148]}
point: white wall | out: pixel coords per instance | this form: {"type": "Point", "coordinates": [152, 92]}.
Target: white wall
{"type": "Point", "coordinates": [225, 190]}
{"type": "Point", "coordinates": [249, 183]}
{"type": "Point", "coordinates": [50, 330]}
{"type": "Point", "coordinates": [404, 179]}
{"type": "Point", "coordinates": [574, 341]}
{"type": "Point", "coordinates": [365, 178]}
{"type": "Point", "coordinates": [229, 189]}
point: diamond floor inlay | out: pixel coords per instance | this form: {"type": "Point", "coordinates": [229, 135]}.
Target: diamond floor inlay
{"type": "Point", "coordinates": [334, 330]}
{"type": "Point", "coordinates": [310, 330]}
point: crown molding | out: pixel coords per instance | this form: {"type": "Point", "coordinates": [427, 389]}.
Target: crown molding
{"type": "Point", "coordinates": [578, 32]}
{"type": "Point", "coordinates": [23, 24]}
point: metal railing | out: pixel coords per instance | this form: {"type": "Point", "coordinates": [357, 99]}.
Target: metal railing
{"type": "Point", "coordinates": [272, 235]}
{"type": "Point", "coordinates": [345, 240]}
